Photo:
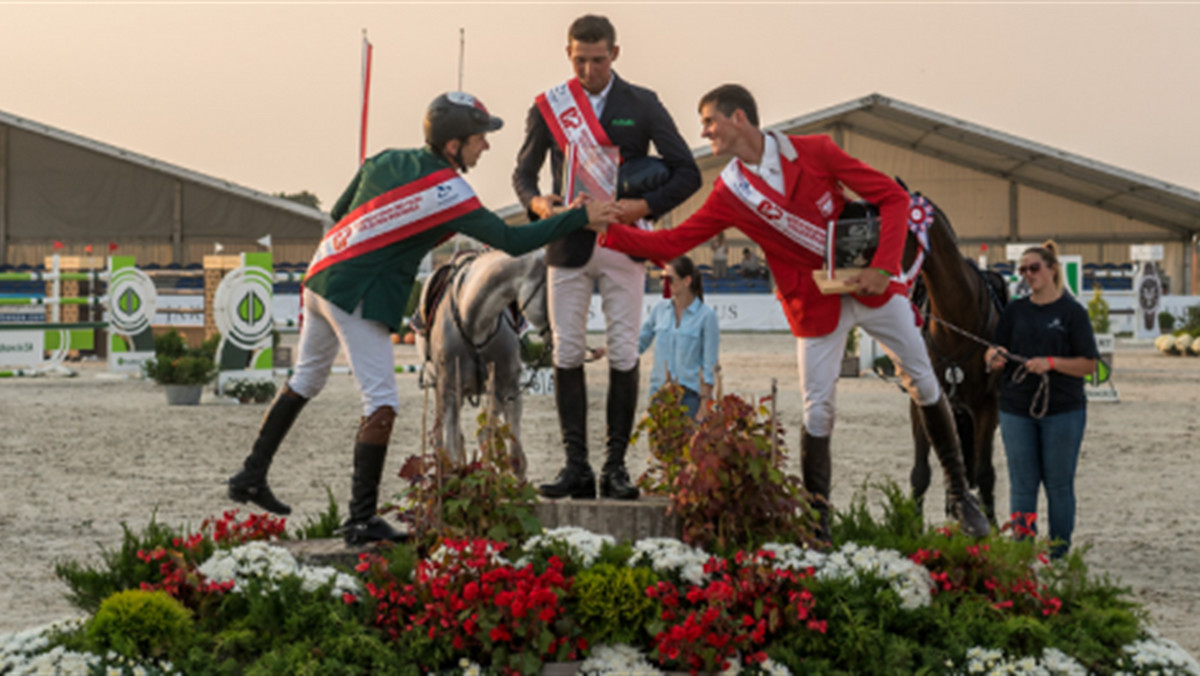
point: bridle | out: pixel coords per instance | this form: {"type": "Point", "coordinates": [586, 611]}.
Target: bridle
{"type": "Point", "coordinates": [506, 317]}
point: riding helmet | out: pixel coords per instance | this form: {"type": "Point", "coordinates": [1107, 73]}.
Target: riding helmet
{"type": "Point", "coordinates": [457, 115]}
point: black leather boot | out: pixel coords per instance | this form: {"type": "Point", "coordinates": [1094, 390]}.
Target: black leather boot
{"type": "Point", "coordinates": [576, 480]}
{"type": "Point", "coordinates": [370, 452]}
{"type": "Point", "coordinates": [961, 504]}
{"type": "Point", "coordinates": [622, 407]}
{"type": "Point", "coordinates": [250, 484]}
{"type": "Point", "coordinates": [817, 470]}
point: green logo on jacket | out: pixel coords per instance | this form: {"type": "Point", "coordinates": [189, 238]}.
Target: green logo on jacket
{"type": "Point", "coordinates": [622, 122]}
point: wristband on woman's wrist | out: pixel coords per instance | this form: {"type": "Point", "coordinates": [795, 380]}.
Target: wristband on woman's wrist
{"type": "Point", "coordinates": [1050, 360]}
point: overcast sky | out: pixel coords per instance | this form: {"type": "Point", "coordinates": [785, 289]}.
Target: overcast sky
{"type": "Point", "coordinates": [267, 95]}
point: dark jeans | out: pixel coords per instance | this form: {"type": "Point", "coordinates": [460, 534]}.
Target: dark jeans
{"type": "Point", "coordinates": [1044, 452]}
{"type": "Point", "coordinates": [691, 401]}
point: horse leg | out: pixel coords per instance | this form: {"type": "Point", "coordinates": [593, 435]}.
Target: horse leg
{"type": "Point", "coordinates": [985, 469]}
{"type": "Point", "coordinates": [451, 404]}
{"type": "Point", "coordinates": [512, 415]}
{"type": "Point", "coordinates": [920, 475]}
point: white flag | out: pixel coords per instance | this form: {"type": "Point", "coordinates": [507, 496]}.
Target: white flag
{"type": "Point", "coordinates": [265, 241]}
{"type": "Point", "coordinates": [218, 247]}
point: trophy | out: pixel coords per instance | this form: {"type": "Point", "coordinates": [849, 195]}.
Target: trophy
{"type": "Point", "coordinates": [590, 170]}
{"type": "Point", "coordinates": [851, 242]}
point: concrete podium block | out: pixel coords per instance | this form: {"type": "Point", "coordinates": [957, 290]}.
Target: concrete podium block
{"type": "Point", "coordinates": [622, 519]}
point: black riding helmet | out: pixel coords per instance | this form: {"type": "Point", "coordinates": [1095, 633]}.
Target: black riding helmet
{"type": "Point", "coordinates": [457, 115]}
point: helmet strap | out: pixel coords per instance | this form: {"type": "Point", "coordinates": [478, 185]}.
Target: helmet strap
{"type": "Point", "coordinates": [458, 158]}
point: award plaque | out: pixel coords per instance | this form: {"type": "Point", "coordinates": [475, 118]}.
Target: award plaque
{"type": "Point", "coordinates": [851, 242]}
{"type": "Point", "coordinates": [590, 170]}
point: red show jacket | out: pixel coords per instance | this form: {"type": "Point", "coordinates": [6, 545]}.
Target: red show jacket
{"type": "Point", "coordinates": [814, 171]}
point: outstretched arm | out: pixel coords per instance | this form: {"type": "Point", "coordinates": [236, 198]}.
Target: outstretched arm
{"type": "Point", "coordinates": [664, 245]}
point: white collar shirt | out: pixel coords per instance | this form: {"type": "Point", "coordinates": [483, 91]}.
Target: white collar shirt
{"type": "Point", "coordinates": [598, 100]}
{"type": "Point", "coordinates": [769, 167]}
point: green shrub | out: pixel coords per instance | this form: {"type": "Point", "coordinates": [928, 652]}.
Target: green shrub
{"type": "Point", "coordinates": [119, 569]}
{"type": "Point", "coordinates": [175, 364]}
{"type": "Point", "coordinates": [611, 604]}
{"type": "Point", "coordinates": [258, 390]}
{"type": "Point", "coordinates": [1166, 322]}
{"type": "Point", "coordinates": [141, 624]}
{"type": "Point", "coordinates": [324, 525]}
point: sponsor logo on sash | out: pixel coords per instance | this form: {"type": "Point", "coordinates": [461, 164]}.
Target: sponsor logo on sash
{"type": "Point", "coordinates": [755, 198]}
{"type": "Point", "coordinates": [395, 215]}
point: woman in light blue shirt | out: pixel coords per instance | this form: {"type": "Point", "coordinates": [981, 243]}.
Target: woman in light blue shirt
{"type": "Point", "coordinates": [686, 336]}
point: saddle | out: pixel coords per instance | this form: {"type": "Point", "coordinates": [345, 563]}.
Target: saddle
{"type": "Point", "coordinates": [437, 284]}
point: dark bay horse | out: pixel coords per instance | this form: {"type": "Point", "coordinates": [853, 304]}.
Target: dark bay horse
{"type": "Point", "coordinates": [951, 288]}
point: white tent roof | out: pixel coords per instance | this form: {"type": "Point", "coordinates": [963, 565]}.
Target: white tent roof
{"type": "Point", "coordinates": [1008, 157]}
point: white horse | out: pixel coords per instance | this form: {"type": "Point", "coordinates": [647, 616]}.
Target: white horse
{"type": "Point", "coordinates": [472, 327]}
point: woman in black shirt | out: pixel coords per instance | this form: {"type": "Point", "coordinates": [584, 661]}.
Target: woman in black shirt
{"type": "Point", "coordinates": [1043, 432]}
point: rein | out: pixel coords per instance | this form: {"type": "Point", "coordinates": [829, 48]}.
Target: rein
{"type": "Point", "coordinates": [1040, 403]}
{"type": "Point", "coordinates": [505, 316]}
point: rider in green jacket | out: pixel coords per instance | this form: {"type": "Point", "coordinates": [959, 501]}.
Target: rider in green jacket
{"type": "Point", "coordinates": [399, 206]}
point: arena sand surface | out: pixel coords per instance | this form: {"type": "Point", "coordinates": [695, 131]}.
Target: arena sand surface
{"type": "Point", "coordinates": [80, 456]}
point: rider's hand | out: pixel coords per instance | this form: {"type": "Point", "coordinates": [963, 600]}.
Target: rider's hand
{"type": "Point", "coordinates": [545, 205]}
{"type": "Point", "coordinates": [871, 282]}
{"type": "Point", "coordinates": [600, 214]}
{"type": "Point", "coordinates": [630, 210]}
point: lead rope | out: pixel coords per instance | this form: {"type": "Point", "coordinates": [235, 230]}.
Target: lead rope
{"type": "Point", "coordinates": [1040, 404]}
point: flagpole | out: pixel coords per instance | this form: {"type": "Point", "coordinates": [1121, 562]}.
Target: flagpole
{"type": "Point", "coordinates": [462, 48]}
{"type": "Point", "coordinates": [366, 98]}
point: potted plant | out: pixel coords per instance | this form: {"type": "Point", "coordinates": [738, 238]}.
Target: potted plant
{"type": "Point", "coordinates": [182, 370]}
{"type": "Point", "coordinates": [257, 391]}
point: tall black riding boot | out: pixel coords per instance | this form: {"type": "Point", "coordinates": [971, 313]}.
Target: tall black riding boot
{"type": "Point", "coordinates": [622, 407]}
{"type": "Point", "coordinates": [250, 484]}
{"type": "Point", "coordinates": [576, 480]}
{"type": "Point", "coordinates": [817, 470]}
{"type": "Point", "coordinates": [961, 504]}
{"type": "Point", "coordinates": [370, 451]}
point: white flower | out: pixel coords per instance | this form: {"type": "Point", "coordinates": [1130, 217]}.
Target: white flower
{"type": "Point", "coordinates": [1156, 654]}
{"type": "Point", "coordinates": [261, 561]}
{"type": "Point", "coordinates": [1051, 663]}
{"type": "Point", "coordinates": [668, 555]}
{"type": "Point", "coordinates": [584, 546]}
{"type": "Point", "coordinates": [851, 561]}
{"type": "Point", "coordinates": [616, 659]}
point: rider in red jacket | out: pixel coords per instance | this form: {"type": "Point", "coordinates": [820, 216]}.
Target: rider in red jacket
{"type": "Point", "coordinates": [785, 192]}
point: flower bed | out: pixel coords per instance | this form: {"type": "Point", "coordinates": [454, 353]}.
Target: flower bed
{"type": "Point", "coordinates": [935, 603]}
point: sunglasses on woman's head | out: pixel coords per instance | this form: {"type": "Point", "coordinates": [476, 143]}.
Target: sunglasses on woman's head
{"type": "Point", "coordinates": [1032, 268]}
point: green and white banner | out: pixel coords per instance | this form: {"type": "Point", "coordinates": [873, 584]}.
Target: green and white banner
{"type": "Point", "coordinates": [242, 310]}
{"type": "Point", "coordinates": [132, 300]}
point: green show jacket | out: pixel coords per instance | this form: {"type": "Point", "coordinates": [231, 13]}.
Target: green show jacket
{"type": "Point", "coordinates": [382, 279]}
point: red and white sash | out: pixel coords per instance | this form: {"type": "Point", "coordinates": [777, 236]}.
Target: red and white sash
{"type": "Point", "coordinates": [397, 214]}
{"type": "Point", "coordinates": [756, 195]}
{"type": "Point", "coordinates": [569, 115]}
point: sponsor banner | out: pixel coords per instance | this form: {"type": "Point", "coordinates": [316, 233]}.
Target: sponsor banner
{"type": "Point", "coordinates": [22, 348]}
{"type": "Point", "coordinates": [541, 381]}
{"type": "Point", "coordinates": [735, 311]}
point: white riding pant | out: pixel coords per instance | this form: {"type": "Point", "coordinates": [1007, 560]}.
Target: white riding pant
{"type": "Point", "coordinates": [622, 283]}
{"type": "Point", "coordinates": [368, 345]}
{"type": "Point", "coordinates": [894, 325]}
